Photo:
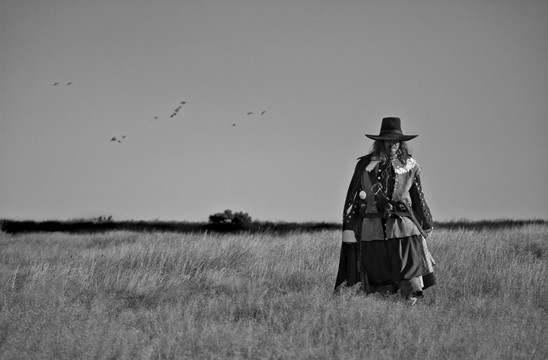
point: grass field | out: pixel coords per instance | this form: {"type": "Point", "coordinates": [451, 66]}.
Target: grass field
{"type": "Point", "coordinates": [161, 295]}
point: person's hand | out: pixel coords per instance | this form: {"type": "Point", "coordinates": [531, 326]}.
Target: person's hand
{"type": "Point", "coordinates": [348, 237]}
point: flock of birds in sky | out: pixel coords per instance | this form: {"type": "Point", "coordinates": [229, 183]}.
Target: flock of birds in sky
{"type": "Point", "coordinates": [119, 139]}
{"type": "Point", "coordinates": [251, 113]}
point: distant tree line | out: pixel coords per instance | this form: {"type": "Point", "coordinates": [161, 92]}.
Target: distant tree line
{"type": "Point", "coordinates": [224, 222]}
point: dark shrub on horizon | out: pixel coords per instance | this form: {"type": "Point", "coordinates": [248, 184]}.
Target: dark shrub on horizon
{"type": "Point", "coordinates": [229, 221]}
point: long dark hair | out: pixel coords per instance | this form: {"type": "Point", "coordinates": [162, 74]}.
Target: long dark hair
{"type": "Point", "coordinates": [378, 150]}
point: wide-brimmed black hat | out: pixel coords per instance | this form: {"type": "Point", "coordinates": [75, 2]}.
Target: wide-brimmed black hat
{"type": "Point", "coordinates": [391, 130]}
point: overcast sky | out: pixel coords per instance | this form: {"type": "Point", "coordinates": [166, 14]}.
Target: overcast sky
{"type": "Point", "coordinates": [470, 77]}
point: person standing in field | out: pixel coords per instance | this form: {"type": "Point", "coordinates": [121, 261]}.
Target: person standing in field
{"type": "Point", "coordinates": [386, 220]}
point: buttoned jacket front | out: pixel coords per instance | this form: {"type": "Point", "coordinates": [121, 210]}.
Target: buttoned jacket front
{"type": "Point", "coordinates": [407, 189]}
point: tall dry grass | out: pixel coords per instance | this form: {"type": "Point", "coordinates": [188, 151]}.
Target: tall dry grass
{"type": "Point", "coordinates": [125, 295]}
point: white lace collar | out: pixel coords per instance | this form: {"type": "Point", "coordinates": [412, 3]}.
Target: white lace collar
{"type": "Point", "coordinates": [399, 167]}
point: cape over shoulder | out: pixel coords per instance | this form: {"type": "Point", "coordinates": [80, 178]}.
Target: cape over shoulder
{"type": "Point", "coordinates": [363, 158]}
{"type": "Point", "coordinates": [361, 163]}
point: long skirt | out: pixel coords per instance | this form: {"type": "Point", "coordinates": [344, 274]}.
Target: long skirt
{"type": "Point", "coordinates": [389, 261]}
{"type": "Point", "coordinates": [387, 265]}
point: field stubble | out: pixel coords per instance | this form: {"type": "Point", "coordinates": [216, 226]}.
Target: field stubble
{"type": "Point", "coordinates": [165, 295]}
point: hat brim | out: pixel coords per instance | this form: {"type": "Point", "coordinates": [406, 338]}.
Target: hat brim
{"type": "Point", "coordinates": [393, 137]}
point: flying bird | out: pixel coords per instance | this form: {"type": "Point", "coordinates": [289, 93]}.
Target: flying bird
{"type": "Point", "coordinates": [69, 83]}
{"type": "Point", "coordinates": [55, 83]}
{"type": "Point", "coordinates": [263, 112]}
{"type": "Point", "coordinates": [250, 113]}
{"type": "Point", "coordinates": [156, 117]}
{"type": "Point", "coordinates": [234, 124]}
{"type": "Point", "coordinates": [115, 139]}
{"type": "Point", "coordinates": [182, 102]}
{"type": "Point", "coordinates": [175, 111]}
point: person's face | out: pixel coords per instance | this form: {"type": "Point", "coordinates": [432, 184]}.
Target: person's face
{"type": "Point", "coordinates": [391, 146]}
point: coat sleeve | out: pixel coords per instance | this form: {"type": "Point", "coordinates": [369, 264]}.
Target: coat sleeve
{"type": "Point", "coordinates": [419, 205]}
{"type": "Point", "coordinates": [351, 212]}
{"type": "Point", "coordinates": [351, 203]}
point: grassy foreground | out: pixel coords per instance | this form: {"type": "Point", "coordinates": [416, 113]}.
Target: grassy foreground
{"type": "Point", "coordinates": [161, 295]}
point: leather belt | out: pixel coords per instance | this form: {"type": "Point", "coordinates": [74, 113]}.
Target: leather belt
{"type": "Point", "coordinates": [389, 212]}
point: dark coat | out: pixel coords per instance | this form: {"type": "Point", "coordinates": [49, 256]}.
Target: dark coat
{"type": "Point", "coordinates": [407, 189]}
